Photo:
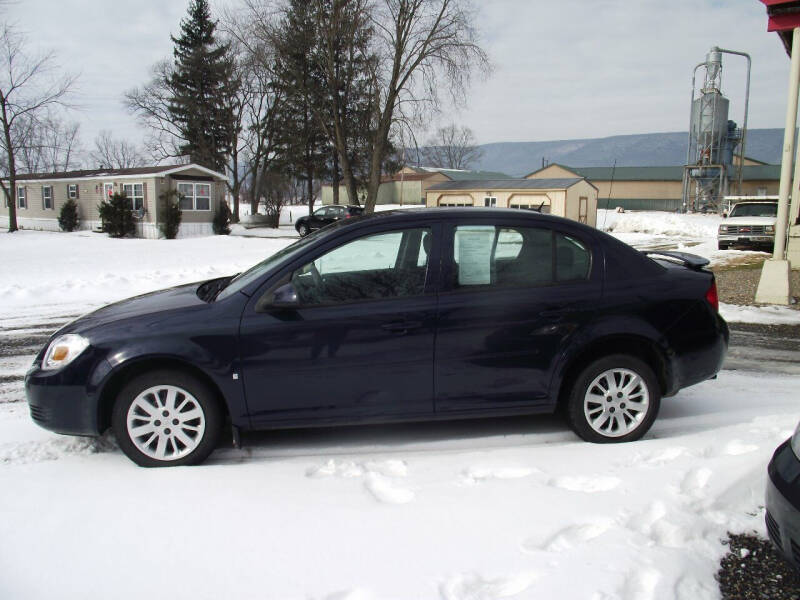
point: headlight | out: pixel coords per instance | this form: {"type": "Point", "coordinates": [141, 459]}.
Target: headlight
{"type": "Point", "coordinates": [769, 229]}
{"type": "Point", "coordinates": [723, 228]}
{"type": "Point", "coordinates": [63, 350]}
{"type": "Point", "coordinates": [796, 441]}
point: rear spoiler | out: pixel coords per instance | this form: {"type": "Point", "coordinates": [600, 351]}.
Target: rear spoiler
{"type": "Point", "coordinates": [690, 260]}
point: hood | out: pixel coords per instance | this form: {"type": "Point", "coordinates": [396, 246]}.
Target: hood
{"type": "Point", "coordinates": [750, 221]}
{"type": "Point", "coordinates": [163, 301]}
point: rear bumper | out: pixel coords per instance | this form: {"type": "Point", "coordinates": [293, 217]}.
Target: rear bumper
{"type": "Point", "coordinates": [701, 359]}
{"type": "Point", "coordinates": [783, 503]}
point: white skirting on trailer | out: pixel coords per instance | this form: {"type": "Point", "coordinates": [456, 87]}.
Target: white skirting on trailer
{"type": "Point", "coordinates": [37, 224]}
{"type": "Point", "coordinates": [148, 231]}
{"type": "Point", "coordinates": [195, 230]}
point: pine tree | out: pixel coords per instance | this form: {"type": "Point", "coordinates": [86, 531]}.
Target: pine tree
{"type": "Point", "coordinates": [302, 144]}
{"type": "Point", "coordinates": [202, 85]}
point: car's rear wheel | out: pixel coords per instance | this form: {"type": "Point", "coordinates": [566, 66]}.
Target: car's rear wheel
{"type": "Point", "coordinates": [166, 418]}
{"type": "Point", "coordinates": [302, 229]}
{"type": "Point", "coordinates": [614, 399]}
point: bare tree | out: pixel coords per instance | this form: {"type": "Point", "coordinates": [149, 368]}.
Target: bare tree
{"type": "Point", "coordinates": [28, 89]}
{"type": "Point", "coordinates": [414, 49]}
{"type": "Point", "coordinates": [47, 144]}
{"type": "Point", "coordinates": [150, 104]}
{"type": "Point", "coordinates": [452, 147]}
{"type": "Point", "coordinates": [254, 149]}
{"type": "Point", "coordinates": [425, 46]}
{"type": "Point", "coordinates": [115, 153]}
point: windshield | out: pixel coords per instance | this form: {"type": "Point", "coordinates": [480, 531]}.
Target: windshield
{"type": "Point", "coordinates": [765, 209]}
{"type": "Point", "coordinates": [253, 273]}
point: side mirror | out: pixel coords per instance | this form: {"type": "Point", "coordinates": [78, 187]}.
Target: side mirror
{"type": "Point", "coordinates": [285, 296]}
{"type": "Point", "coordinates": [724, 215]}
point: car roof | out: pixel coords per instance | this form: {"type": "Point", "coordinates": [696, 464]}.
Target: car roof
{"type": "Point", "coordinates": [440, 213]}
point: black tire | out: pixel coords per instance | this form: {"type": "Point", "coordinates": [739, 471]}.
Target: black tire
{"type": "Point", "coordinates": [197, 395]}
{"type": "Point", "coordinates": [722, 246]}
{"type": "Point", "coordinates": [576, 410]}
{"type": "Point", "coordinates": [302, 229]}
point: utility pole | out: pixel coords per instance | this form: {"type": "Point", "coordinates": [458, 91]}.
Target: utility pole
{"type": "Point", "coordinates": [775, 283]}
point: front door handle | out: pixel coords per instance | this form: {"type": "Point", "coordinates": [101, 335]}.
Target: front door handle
{"type": "Point", "coordinates": [401, 327]}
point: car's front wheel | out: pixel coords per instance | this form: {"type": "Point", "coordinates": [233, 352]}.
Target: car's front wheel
{"type": "Point", "coordinates": [302, 229]}
{"type": "Point", "coordinates": [166, 418]}
{"type": "Point", "coordinates": [614, 399]}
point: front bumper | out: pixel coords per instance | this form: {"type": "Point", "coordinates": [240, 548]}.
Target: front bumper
{"type": "Point", "coordinates": [744, 238]}
{"type": "Point", "coordinates": [783, 503]}
{"type": "Point", "coordinates": [61, 402]}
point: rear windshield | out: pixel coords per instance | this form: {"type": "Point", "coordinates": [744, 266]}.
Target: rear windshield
{"type": "Point", "coordinates": [755, 210]}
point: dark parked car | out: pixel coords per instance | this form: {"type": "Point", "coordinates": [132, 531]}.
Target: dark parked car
{"type": "Point", "coordinates": [400, 316]}
{"type": "Point", "coordinates": [783, 499]}
{"type": "Point", "coordinates": [325, 216]}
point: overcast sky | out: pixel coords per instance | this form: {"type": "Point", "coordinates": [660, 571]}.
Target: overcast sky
{"type": "Point", "coordinates": [564, 69]}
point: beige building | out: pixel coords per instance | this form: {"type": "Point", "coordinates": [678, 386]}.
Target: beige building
{"type": "Point", "coordinates": [410, 184]}
{"type": "Point", "coordinates": [656, 188]}
{"type": "Point", "coordinates": [40, 196]}
{"type": "Point", "coordinates": [571, 197]}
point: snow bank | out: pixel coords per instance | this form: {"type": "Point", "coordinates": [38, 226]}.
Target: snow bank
{"type": "Point", "coordinates": [660, 223]}
{"type": "Point", "coordinates": [69, 273]}
{"type": "Point", "coordinates": [767, 315]}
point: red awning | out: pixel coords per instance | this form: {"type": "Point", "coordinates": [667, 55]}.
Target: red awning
{"type": "Point", "coordinates": [783, 17]}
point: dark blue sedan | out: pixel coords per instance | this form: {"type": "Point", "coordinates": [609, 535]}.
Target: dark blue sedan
{"type": "Point", "coordinates": [400, 316]}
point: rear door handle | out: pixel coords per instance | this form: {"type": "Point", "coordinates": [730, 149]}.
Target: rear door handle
{"type": "Point", "coordinates": [555, 313]}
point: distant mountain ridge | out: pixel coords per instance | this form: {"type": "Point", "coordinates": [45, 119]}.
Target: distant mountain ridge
{"type": "Point", "coordinates": [640, 150]}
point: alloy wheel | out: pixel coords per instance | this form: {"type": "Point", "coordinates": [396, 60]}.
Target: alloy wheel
{"type": "Point", "coordinates": [165, 422]}
{"type": "Point", "coordinates": [616, 402]}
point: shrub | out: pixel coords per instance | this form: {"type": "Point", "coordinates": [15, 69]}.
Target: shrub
{"type": "Point", "coordinates": [222, 220]}
{"type": "Point", "coordinates": [68, 216]}
{"type": "Point", "coordinates": [171, 214]}
{"type": "Point", "coordinates": [116, 216]}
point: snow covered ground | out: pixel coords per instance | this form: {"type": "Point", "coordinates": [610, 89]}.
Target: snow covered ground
{"type": "Point", "coordinates": [653, 230]}
{"type": "Point", "coordinates": [511, 508]}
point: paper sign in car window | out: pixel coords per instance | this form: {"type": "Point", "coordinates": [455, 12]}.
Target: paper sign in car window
{"type": "Point", "coordinates": [474, 255]}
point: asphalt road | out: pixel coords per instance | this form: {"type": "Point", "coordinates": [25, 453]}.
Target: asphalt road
{"type": "Point", "coordinates": [768, 348]}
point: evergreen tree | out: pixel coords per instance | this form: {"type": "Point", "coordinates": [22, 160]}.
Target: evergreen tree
{"type": "Point", "coordinates": [68, 218]}
{"type": "Point", "coordinates": [202, 85]}
{"type": "Point", "coordinates": [302, 145]}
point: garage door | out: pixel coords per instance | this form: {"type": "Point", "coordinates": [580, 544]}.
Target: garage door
{"type": "Point", "coordinates": [530, 202]}
{"type": "Point", "coordinates": [456, 200]}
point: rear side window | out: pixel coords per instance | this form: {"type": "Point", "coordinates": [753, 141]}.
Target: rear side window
{"type": "Point", "coordinates": [486, 255]}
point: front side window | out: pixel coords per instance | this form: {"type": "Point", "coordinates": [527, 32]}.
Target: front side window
{"type": "Point", "coordinates": [195, 196]}
{"type": "Point", "coordinates": [486, 255]}
{"type": "Point", "coordinates": [47, 197]}
{"type": "Point", "coordinates": [21, 202]}
{"type": "Point", "coordinates": [134, 192]}
{"type": "Point", "coordinates": [381, 266]}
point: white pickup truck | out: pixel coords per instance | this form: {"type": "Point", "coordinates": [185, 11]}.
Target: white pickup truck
{"type": "Point", "coordinates": [749, 223]}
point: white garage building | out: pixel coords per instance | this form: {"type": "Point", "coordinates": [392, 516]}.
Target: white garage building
{"type": "Point", "coordinates": [574, 198]}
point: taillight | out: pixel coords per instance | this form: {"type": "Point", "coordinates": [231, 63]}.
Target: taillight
{"type": "Point", "coordinates": [347, 216]}
{"type": "Point", "coordinates": [712, 297]}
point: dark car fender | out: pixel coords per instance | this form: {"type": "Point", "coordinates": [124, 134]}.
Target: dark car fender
{"type": "Point", "coordinates": [613, 334]}
{"type": "Point", "coordinates": [210, 358]}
